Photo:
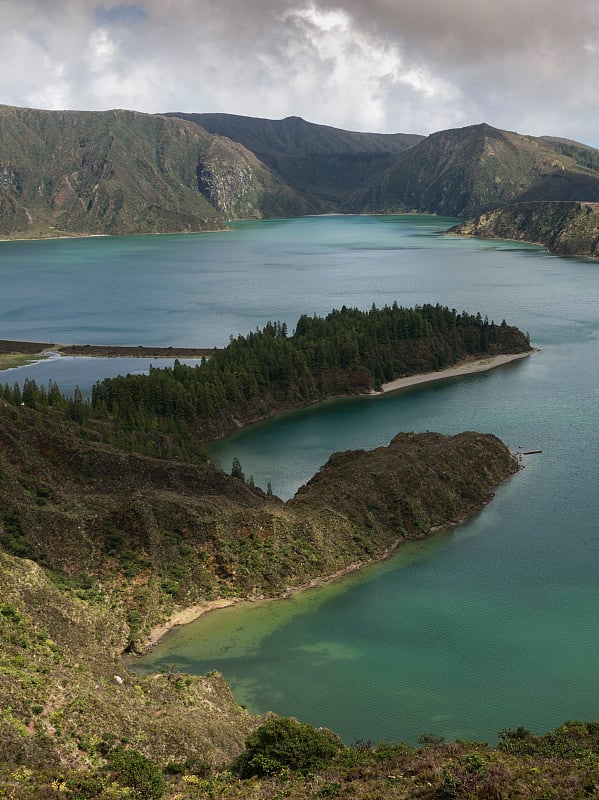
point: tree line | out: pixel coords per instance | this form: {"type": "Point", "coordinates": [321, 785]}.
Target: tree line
{"type": "Point", "coordinates": [348, 351]}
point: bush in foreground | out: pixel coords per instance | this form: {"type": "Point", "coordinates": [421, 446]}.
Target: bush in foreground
{"type": "Point", "coordinates": [286, 744]}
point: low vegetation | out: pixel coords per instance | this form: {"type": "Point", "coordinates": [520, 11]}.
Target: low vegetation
{"type": "Point", "coordinates": [121, 172]}
{"type": "Point", "coordinates": [565, 228]}
{"type": "Point", "coordinates": [473, 170]}
{"type": "Point", "coordinates": [101, 541]}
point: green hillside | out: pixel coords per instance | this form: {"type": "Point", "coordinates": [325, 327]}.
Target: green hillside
{"type": "Point", "coordinates": [322, 162]}
{"type": "Point", "coordinates": [111, 520]}
{"type": "Point", "coordinates": [133, 530]}
{"type": "Point", "coordinates": [121, 172]}
{"type": "Point", "coordinates": [115, 172]}
{"type": "Point", "coordinates": [565, 228]}
{"type": "Point", "coordinates": [467, 171]}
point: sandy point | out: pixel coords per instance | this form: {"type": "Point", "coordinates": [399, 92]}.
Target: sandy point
{"type": "Point", "coordinates": [464, 368]}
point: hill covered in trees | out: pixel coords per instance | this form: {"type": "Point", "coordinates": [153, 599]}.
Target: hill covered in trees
{"type": "Point", "coordinates": [348, 351]}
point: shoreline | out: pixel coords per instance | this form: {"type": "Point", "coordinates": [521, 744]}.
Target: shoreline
{"type": "Point", "coordinates": [18, 353]}
{"type": "Point", "coordinates": [192, 613]}
{"type": "Point", "coordinates": [185, 616]}
{"type": "Point", "coordinates": [78, 235]}
{"type": "Point", "coordinates": [469, 367]}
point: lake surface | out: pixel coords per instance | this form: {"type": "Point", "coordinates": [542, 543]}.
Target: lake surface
{"type": "Point", "coordinates": [83, 371]}
{"type": "Point", "coordinates": [494, 624]}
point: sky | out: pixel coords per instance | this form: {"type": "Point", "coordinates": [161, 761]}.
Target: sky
{"type": "Point", "coordinates": [410, 66]}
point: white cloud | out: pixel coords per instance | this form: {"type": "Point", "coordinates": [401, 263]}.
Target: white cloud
{"type": "Point", "coordinates": [527, 65]}
{"type": "Point", "coordinates": [100, 51]}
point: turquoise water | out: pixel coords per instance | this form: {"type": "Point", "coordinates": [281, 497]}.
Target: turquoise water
{"type": "Point", "coordinates": [493, 624]}
{"type": "Point", "coordinates": [196, 290]}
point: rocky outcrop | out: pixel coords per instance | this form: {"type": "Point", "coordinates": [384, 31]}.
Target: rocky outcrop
{"type": "Point", "coordinates": [565, 228]}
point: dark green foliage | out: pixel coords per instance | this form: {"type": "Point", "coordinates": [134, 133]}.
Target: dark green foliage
{"type": "Point", "coordinates": [165, 414]}
{"type": "Point", "coordinates": [236, 470]}
{"type": "Point", "coordinates": [133, 769]}
{"type": "Point", "coordinates": [285, 743]}
{"type": "Point", "coordinates": [584, 156]}
{"type": "Point", "coordinates": [572, 740]}
{"type": "Point", "coordinates": [346, 352]}
{"type": "Point", "coordinates": [12, 537]}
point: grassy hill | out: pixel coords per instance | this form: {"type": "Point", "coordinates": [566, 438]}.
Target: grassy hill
{"type": "Point", "coordinates": [566, 228]}
{"type": "Point", "coordinates": [120, 172]}
{"type": "Point", "coordinates": [467, 171]}
{"type": "Point", "coordinates": [322, 162]}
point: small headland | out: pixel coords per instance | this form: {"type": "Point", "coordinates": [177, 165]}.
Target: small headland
{"type": "Point", "coordinates": [16, 353]}
{"type": "Point", "coordinates": [565, 228]}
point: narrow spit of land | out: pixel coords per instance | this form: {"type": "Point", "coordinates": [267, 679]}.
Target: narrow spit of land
{"type": "Point", "coordinates": [15, 353]}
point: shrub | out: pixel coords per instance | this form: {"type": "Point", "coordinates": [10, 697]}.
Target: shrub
{"type": "Point", "coordinates": [283, 743]}
{"type": "Point", "coordinates": [133, 769]}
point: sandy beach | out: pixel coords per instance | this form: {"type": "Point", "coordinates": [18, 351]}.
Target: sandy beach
{"type": "Point", "coordinates": [191, 613]}
{"type": "Point", "coordinates": [186, 615]}
{"type": "Point", "coordinates": [465, 368]}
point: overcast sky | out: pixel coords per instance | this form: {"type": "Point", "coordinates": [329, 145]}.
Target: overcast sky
{"type": "Point", "coordinates": [413, 66]}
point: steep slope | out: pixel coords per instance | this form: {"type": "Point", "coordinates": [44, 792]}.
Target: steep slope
{"type": "Point", "coordinates": [323, 162]}
{"type": "Point", "coordinates": [123, 172]}
{"type": "Point", "coordinates": [467, 171]}
{"type": "Point", "coordinates": [76, 723]}
{"type": "Point", "coordinates": [151, 534]}
{"type": "Point", "coordinates": [566, 228]}
{"type": "Point", "coordinates": [66, 696]}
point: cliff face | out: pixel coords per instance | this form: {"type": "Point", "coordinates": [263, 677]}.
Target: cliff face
{"type": "Point", "coordinates": [565, 228]}
{"type": "Point", "coordinates": [120, 172]}
{"type": "Point", "coordinates": [323, 163]}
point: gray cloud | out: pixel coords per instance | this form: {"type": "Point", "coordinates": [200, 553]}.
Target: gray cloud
{"type": "Point", "coordinates": [526, 65]}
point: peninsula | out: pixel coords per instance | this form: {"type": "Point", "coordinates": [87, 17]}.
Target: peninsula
{"type": "Point", "coordinates": [566, 228]}
{"type": "Point", "coordinates": [112, 521]}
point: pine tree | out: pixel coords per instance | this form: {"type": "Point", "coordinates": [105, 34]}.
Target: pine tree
{"type": "Point", "coordinates": [236, 470]}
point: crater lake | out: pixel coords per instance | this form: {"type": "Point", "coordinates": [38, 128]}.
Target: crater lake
{"type": "Point", "coordinates": [493, 624]}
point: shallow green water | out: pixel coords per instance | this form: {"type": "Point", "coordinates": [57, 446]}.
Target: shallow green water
{"type": "Point", "coordinates": [491, 625]}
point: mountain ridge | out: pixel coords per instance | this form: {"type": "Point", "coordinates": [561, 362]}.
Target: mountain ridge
{"type": "Point", "coordinates": [124, 172]}
{"type": "Point", "coordinates": [318, 160]}
{"type": "Point", "coordinates": [467, 171]}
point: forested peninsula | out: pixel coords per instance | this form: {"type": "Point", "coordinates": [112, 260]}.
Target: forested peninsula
{"type": "Point", "coordinates": [112, 518]}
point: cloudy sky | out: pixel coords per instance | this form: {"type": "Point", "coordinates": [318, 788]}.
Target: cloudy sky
{"type": "Point", "coordinates": [411, 66]}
